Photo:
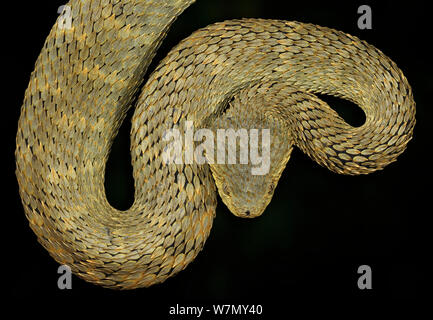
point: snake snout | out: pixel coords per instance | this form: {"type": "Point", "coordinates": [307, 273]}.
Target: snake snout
{"type": "Point", "coordinates": [248, 213]}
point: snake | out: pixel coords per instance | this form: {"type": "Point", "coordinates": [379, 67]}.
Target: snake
{"type": "Point", "coordinates": [244, 73]}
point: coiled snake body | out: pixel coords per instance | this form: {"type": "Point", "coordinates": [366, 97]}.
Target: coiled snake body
{"type": "Point", "coordinates": [86, 77]}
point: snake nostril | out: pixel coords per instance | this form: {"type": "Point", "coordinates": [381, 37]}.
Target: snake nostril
{"type": "Point", "coordinates": [247, 212]}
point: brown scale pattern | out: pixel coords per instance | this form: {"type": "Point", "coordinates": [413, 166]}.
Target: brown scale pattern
{"type": "Point", "coordinates": [85, 80]}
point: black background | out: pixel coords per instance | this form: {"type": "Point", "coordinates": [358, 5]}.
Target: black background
{"type": "Point", "coordinates": [320, 226]}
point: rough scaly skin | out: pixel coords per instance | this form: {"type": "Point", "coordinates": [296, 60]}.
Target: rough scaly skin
{"type": "Point", "coordinates": [85, 79]}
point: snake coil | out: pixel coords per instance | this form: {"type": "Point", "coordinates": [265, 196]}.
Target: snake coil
{"type": "Point", "coordinates": [86, 78]}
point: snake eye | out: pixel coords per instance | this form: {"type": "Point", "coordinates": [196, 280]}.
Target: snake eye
{"type": "Point", "coordinates": [271, 188]}
{"type": "Point", "coordinates": [226, 190]}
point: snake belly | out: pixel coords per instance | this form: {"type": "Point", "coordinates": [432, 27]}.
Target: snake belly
{"type": "Point", "coordinates": [87, 77]}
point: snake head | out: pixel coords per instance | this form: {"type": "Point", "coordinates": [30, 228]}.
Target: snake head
{"type": "Point", "coordinates": [247, 187]}
{"type": "Point", "coordinates": [246, 195]}
{"type": "Point", "coordinates": [247, 191]}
